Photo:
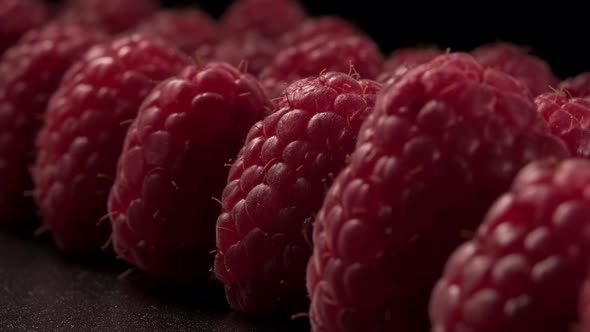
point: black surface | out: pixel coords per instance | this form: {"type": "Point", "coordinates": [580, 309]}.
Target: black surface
{"type": "Point", "coordinates": [41, 290]}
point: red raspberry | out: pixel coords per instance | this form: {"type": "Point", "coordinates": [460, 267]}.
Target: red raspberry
{"type": "Point", "coordinates": [269, 18]}
{"type": "Point", "coordinates": [524, 269]}
{"type": "Point", "coordinates": [584, 306]}
{"type": "Point", "coordinates": [349, 54]}
{"type": "Point", "coordinates": [17, 17]}
{"type": "Point", "coordinates": [186, 29]}
{"type": "Point", "coordinates": [276, 187]}
{"type": "Point", "coordinates": [533, 72]}
{"type": "Point", "coordinates": [402, 60]}
{"type": "Point", "coordinates": [441, 145]}
{"type": "Point", "coordinates": [173, 161]}
{"type": "Point", "coordinates": [30, 72]}
{"type": "Point", "coordinates": [83, 134]}
{"type": "Point", "coordinates": [569, 119]}
{"type": "Point", "coordinates": [324, 26]}
{"type": "Point", "coordinates": [112, 16]}
{"type": "Point", "coordinates": [249, 51]}
{"type": "Point", "coordinates": [410, 57]}
{"type": "Point", "coordinates": [577, 86]}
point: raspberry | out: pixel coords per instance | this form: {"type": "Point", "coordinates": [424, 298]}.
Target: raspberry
{"type": "Point", "coordinates": [410, 57]}
{"type": "Point", "coordinates": [401, 60]}
{"type": "Point", "coordinates": [83, 134]}
{"type": "Point", "coordinates": [349, 54]}
{"type": "Point", "coordinates": [441, 145]}
{"type": "Point", "coordinates": [276, 187]}
{"type": "Point", "coordinates": [324, 26]}
{"type": "Point", "coordinates": [269, 18]}
{"type": "Point", "coordinates": [524, 269]}
{"type": "Point", "coordinates": [533, 72]}
{"type": "Point", "coordinates": [186, 29]}
{"type": "Point", "coordinates": [112, 16]}
{"type": "Point", "coordinates": [172, 163]}
{"type": "Point", "coordinates": [17, 17]}
{"type": "Point", "coordinates": [30, 72]}
{"type": "Point", "coordinates": [250, 51]}
{"type": "Point", "coordinates": [584, 307]}
{"type": "Point", "coordinates": [569, 119]}
{"type": "Point", "coordinates": [577, 86]}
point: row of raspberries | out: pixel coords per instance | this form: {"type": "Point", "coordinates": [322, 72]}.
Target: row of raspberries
{"type": "Point", "coordinates": [285, 157]}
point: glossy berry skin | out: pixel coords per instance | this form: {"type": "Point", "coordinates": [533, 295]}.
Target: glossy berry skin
{"type": "Point", "coordinates": [322, 26]}
{"type": "Point", "coordinates": [250, 52]}
{"type": "Point", "coordinates": [268, 18]}
{"type": "Point", "coordinates": [187, 29]}
{"type": "Point", "coordinates": [174, 163]}
{"type": "Point", "coordinates": [111, 16]}
{"type": "Point", "coordinates": [533, 72]}
{"type": "Point", "coordinates": [354, 54]}
{"type": "Point", "coordinates": [17, 17]}
{"type": "Point", "coordinates": [569, 119]}
{"type": "Point", "coordinates": [442, 144]}
{"type": "Point", "coordinates": [83, 135]}
{"type": "Point", "coordinates": [276, 186]}
{"type": "Point", "coordinates": [30, 72]}
{"type": "Point", "coordinates": [404, 59]}
{"type": "Point", "coordinates": [524, 269]}
{"type": "Point", "coordinates": [577, 86]}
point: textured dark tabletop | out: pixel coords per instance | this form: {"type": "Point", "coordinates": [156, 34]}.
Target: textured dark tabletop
{"type": "Point", "coordinates": [41, 290]}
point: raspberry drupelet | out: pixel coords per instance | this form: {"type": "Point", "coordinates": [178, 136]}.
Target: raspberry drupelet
{"type": "Point", "coordinates": [250, 52]}
{"type": "Point", "coordinates": [268, 18]}
{"type": "Point", "coordinates": [17, 17]}
{"type": "Point", "coordinates": [569, 119]}
{"type": "Point", "coordinates": [111, 16]}
{"type": "Point", "coordinates": [577, 86]}
{"type": "Point", "coordinates": [532, 71]}
{"type": "Point", "coordinates": [187, 29]}
{"type": "Point", "coordinates": [404, 59]}
{"type": "Point", "coordinates": [354, 54]}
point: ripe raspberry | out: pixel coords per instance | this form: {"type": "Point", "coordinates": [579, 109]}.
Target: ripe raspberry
{"type": "Point", "coordinates": [112, 16]}
{"type": "Point", "coordinates": [250, 51]}
{"type": "Point", "coordinates": [533, 72]}
{"type": "Point", "coordinates": [186, 29]}
{"type": "Point", "coordinates": [17, 17]}
{"type": "Point", "coordinates": [441, 145]}
{"type": "Point", "coordinates": [30, 72]}
{"type": "Point", "coordinates": [410, 57]}
{"type": "Point", "coordinates": [350, 54]}
{"type": "Point", "coordinates": [584, 306]}
{"type": "Point", "coordinates": [569, 119]}
{"type": "Point", "coordinates": [524, 269]}
{"type": "Point", "coordinates": [269, 18]}
{"type": "Point", "coordinates": [324, 26]}
{"type": "Point", "coordinates": [577, 86]}
{"type": "Point", "coordinates": [83, 134]}
{"type": "Point", "coordinates": [276, 187]}
{"type": "Point", "coordinates": [161, 209]}
{"type": "Point", "coordinates": [404, 59]}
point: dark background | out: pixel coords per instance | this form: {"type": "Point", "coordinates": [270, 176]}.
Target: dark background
{"type": "Point", "coordinates": [558, 31]}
